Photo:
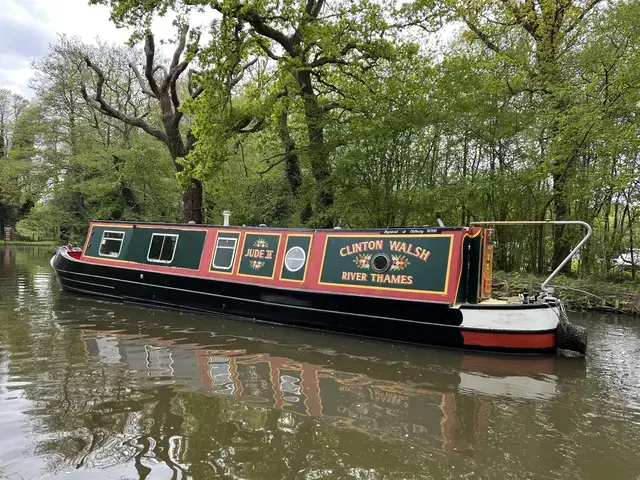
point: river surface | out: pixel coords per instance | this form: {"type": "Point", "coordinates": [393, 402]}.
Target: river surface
{"type": "Point", "coordinates": [98, 390]}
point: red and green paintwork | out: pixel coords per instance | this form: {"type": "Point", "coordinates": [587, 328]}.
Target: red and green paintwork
{"type": "Point", "coordinates": [443, 266]}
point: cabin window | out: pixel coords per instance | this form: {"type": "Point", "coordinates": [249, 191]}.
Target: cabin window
{"type": "Point", "coordinates": [162, 248]}
{"type": "Point", "coordinates": [225, 252]}
{"type": "Point", "coordinates": [294, 259]}
{"type": "Point", "coordinates": [111, 244]}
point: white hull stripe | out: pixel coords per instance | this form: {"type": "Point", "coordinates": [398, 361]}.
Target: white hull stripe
{"type": "Point", "coordinates": [511, 319]}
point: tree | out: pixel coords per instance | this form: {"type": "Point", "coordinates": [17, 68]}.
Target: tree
{"type": "Point", "coordinates": [537, 40]}
{"type": "Point", "coordinates": [19, 185]}
{"type": "Point", "coordinates": [311, 41]}
{"type": "Point", "coordinates": [11, 106]}
{"type": "Point", "coordinates": [5, 108]}
{"type": "Point", "coordinates": [77, 165]}
{"type": "Point", "coordinates": [161, 84]}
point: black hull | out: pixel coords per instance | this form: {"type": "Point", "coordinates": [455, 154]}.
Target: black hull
{"type": "Point", "coordinates": [413, 322]}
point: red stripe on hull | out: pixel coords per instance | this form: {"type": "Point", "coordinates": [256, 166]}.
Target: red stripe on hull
{"type": "Point", "coordinates": [491, 364]}
{"type": "Point", "coordinates": [531, 341]}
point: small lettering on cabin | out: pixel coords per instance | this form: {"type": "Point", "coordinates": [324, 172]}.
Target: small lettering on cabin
{"type": "Point", "coordinates": [413, 231]}
{"type": "Point", "coordinates": [259, 253]}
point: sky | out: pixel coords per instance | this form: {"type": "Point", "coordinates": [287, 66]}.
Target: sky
{"type": "Point", "coordinates": [28, 27]}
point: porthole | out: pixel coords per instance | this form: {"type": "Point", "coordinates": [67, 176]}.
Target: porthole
{"type": "Point", "coordinates": [294, 259]}
{"type": "Point", "coordinates": [380, 262]}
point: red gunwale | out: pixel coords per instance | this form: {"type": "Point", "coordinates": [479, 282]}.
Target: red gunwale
{"type": "Point", "coordinates": [313, 266]}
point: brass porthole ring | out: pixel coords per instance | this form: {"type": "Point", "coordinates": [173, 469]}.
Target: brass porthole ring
{"type": "Point", "coordinates": [380, 262]}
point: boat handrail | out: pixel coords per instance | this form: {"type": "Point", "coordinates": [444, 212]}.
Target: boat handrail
{"type": "Point", "coordinates": [545, 284]}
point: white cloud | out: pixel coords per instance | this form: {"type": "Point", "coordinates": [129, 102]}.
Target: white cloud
{"type": "Point", "coordinates": [27, 27]}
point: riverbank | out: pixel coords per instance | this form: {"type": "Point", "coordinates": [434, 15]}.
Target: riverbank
{"type": "Point", "coordinates": [586, 295]}
{"type": "Point", "coordinates": [43, 243]}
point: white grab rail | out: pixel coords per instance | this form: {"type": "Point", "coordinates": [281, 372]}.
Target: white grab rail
{"type": "Point", "coordinates": [545, 284]}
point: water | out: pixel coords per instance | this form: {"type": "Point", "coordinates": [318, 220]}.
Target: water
{"type": "Point", "coordinates": [99, 390]}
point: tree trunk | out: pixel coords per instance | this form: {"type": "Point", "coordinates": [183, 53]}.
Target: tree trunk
{"type": "Point", "coordinates": [633, 260]}
{"type": "Point", "coordinates": [560, 246]}
{"type": "Point", "coordinates": [320, 166]}
{"type": "Point", "coordinates": [192, 195]}
{"type": "Point", "coordinates": [292, 162]}
{"type": "Point", "coordinates": [192, 199]}
{"type": "Point", "coordinates": [2, 142]}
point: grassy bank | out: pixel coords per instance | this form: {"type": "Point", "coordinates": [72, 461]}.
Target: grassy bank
{"type": "Point", "coordinates": [35, 244]}
{"type": "Point", "coordinates": [7, 474]}
{"type": "Point", "coordinates": [607, 296]}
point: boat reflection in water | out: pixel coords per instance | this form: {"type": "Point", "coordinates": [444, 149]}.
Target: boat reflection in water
{"type": "Point", "coordinates": [437, 399]}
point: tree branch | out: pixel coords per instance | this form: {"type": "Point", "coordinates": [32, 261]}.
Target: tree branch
{"type": "Point", "coordinates": [177, 67]}
{"type": "Point", "coordinates": [273, 165]}
{"type": "Point", "coordinates": [254, 129]}
{"type": "Point", "coordinates": [194, 91]}
{"type": "Point", "coordinates": [174, 98]}
{"type": "Point", "coordinates": [482, 36]}
{"type": "Point", "coordinates": [103, 107]}
{"type": "Point", "coordinates": [316, 6]}
{"type": "Point", "coordinates": [150, 52]}
{"type": "Point", "coordinates": [182, 40]}
{"type": "Point", "coordinates": [590, 6]}
{"type": "Point", "coordinates": [528, 20]}
{"type": "Point", "coordinates": [258, 24]}
{"type": "Point", "coordinates": [235, 80]}
{"type": "Point", "coordinates": [327, 60]}
{"type": "Point", "coordinates": [268, 51]}
{"type": "Point", "coordinates": [145, 89]}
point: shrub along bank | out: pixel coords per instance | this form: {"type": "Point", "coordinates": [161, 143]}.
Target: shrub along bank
{"type": "Point", "coordinates": [577, 294]}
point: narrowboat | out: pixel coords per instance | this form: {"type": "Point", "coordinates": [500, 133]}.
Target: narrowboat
{"type": "Point", "coordinates": [426, 285]}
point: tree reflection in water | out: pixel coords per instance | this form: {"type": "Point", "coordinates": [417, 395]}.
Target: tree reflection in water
{"type": "Point", "coordinates": [152, 397]}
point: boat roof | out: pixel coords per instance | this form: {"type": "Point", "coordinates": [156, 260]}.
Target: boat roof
{"type": "Point", "coordinates": [389, 230]}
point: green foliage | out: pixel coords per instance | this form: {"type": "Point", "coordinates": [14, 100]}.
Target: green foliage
{"type": "Point", "coordinates": [118, 183]}
{"type": "Point", "coordinates": [345, 113]}
{"type": "Point", "coordinates": [253, 197]}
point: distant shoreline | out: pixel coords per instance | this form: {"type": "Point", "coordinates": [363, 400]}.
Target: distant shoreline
{"type": "Point", "coordinates": [48, 243]}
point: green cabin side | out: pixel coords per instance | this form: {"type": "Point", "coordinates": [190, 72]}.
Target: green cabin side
{"type": "Point", "coordinates": [136, 244]}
